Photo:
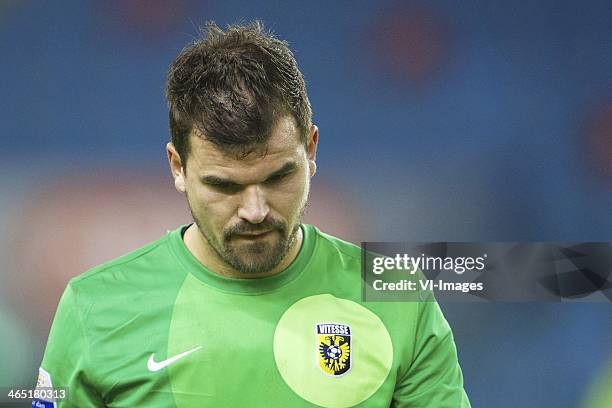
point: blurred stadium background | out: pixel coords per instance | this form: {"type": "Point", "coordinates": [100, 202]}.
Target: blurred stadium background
{"type": "Point", "coordinates": [439, 120]}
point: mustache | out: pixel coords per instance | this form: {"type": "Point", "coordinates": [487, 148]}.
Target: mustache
{"type": "Point", "coordinates": [247, 228]}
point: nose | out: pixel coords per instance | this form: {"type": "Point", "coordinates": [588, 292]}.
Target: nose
{"type": "Point", "coordinates": [254, 207]}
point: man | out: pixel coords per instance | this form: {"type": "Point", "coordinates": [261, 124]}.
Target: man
{"type": "Point", "coordinates": [247, 306]}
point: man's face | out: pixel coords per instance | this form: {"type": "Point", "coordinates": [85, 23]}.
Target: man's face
{"type": "Point", "coordinates": [248, 209]}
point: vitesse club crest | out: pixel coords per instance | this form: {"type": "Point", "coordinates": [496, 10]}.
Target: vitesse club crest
{"type": "Point", "coordinates": [334, 348]}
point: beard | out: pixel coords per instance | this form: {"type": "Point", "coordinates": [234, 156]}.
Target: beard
{"type": "Point", "coordinates": [253, 257]}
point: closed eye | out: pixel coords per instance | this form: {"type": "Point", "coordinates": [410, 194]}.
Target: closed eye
{"type": "Point", "coordinates": [226, 188]}
{"type": "Point", "coordinates": [277, 178]}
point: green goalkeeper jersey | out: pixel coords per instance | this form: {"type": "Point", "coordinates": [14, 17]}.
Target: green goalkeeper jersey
{"type": "Point", "coordinates": [155, 328]}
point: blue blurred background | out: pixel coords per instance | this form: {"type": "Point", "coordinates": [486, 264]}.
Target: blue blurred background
{"type": "Point", "coordinates": [439, 120]}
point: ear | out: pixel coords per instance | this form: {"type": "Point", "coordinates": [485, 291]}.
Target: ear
{"type": "Point", "coordinates": [176, 167]}
{"type": "Point", "coordinates": [311, 149]}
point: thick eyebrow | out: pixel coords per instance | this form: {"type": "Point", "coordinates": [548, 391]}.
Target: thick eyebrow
{"type": "Point", "coordinates": [220, 181]}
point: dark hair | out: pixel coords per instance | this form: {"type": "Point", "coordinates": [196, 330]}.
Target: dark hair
{"type": "Point", "coordinates": [233, 86]}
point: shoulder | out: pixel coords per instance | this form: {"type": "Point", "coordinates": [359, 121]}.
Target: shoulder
{"type": "Point", "coordinates": [327, 242]}
{"type": "Point", "coordinates": [122, 261]}
{"type": "Point", "coordinates": [138, 265]}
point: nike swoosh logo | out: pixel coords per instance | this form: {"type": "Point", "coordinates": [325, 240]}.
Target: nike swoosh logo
{"type": "Point", "coordinates": [154, 366]}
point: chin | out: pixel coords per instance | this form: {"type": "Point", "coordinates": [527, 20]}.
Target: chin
{"type": "Point", "coordinates": [263, 261]}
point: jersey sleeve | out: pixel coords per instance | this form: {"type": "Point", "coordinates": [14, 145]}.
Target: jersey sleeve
{"type": "Point", "coordinates": [434, 378]}
{"type": "Point", "coordinates": [66, 358]}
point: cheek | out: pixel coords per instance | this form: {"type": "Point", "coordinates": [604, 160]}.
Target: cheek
{"type": "Point", "coordinates": [210, 207]}
{"type": "Point", "coordinates": [289, 198]}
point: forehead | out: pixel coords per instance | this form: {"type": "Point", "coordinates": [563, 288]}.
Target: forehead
{"type": "Point", "coordinates": [283, 145]}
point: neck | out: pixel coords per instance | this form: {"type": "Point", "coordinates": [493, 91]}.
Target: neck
{"type": "Point", "coordinates": [201, 249]}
